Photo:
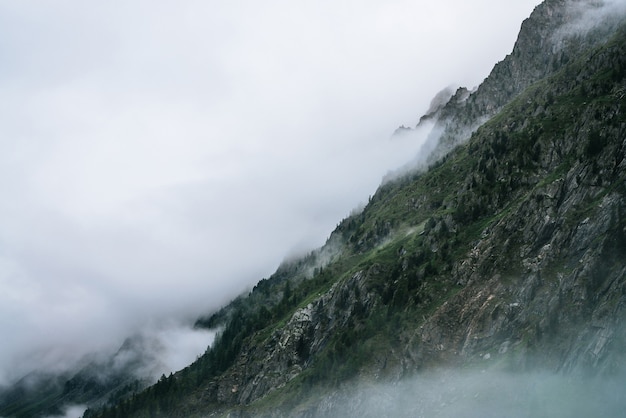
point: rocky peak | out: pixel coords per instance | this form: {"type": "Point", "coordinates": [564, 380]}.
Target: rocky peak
{"type": "Point", "coordinates": [556, 32]}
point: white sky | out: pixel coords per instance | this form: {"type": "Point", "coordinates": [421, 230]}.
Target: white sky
{"type": "Point", "coordinates": [157, 158]}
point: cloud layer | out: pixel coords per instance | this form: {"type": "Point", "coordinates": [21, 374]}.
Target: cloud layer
{"type": "Point", "coordinates": [483, 393]}
{"type": "Point", "coordinates": [156, 159]}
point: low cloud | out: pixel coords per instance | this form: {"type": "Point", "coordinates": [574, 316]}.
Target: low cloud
{"type": "Point", "coordinates": [73, 411]}
{"type": "Point", "coordinates": [163, 350]}
{"type": "Point", "coordinates": [156, 160]}
{"type": "Point", "coordinates": [447, 394]}
{"type": "Point", "coordinates": [587, 15]}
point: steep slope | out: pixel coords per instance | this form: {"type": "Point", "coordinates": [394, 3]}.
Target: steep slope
{"type": "Point", "coordinates": [508, 253]}
{"type": "Point", "coordinates": [556, 33]}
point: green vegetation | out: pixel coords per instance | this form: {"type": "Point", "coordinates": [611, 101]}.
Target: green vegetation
{"type": "Point", "coordinates": [393, 265]}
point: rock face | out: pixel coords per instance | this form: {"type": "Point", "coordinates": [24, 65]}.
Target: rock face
{"type": "Point", "coordinates": [508, 253]}
{"type": "Point", "coordinates": [289, 349]}
{"type": "Point", "coordinates": [542, 285]}
{"type": "Point", "coordinates": [556, 33]}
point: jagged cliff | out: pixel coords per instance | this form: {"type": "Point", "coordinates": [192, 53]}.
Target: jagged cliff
{"type": "Point", "coordinates": [555, 34]}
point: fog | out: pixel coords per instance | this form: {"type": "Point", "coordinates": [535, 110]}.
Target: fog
{"type": "Point", "coordinates": [483, 394]}
{"type": "Point", "coordinates": [587, 15]}
{"type": "Point", "coordinates": [157, 159]}
{"type": "Point", "coordinates": [158, 349]}
{"type": "Point", "coordinates": [73, 411]}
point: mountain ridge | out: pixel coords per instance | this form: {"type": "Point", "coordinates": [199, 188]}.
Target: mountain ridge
{"type": "Point", "coordinates": [454, 266]}
{"type": "Point", "coordinates": [502, 251]}
{"type": "Point", "coordinates": [547, 40]}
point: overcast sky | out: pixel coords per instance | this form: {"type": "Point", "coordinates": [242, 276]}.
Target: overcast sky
{"type": "Point", "coordinates": [158, 158]}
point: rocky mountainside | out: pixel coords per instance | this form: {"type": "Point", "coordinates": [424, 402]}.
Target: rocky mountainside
{"type": "Point", "coordinates": [556, 33]}
{"type": "Point", "coordinates": [508, 252]}
{"type": "Point", "coordinates": [504, 251]}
